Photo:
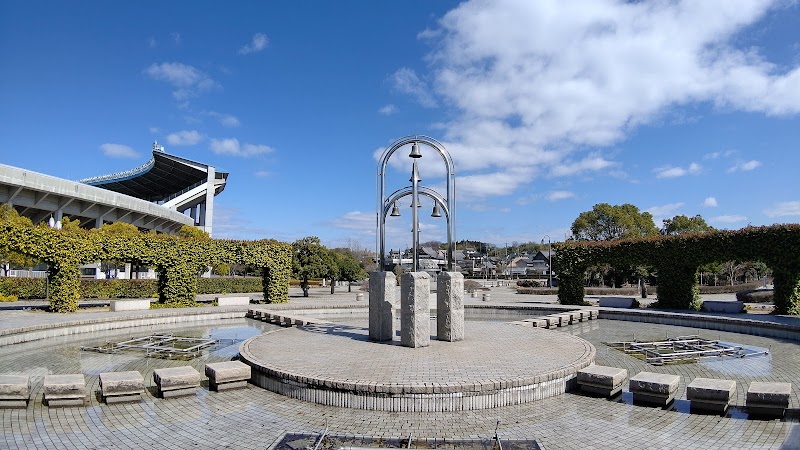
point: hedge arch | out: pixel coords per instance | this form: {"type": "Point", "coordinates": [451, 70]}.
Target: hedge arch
{"type": "Point", "coordinates": [676, 260]}
{"type": "Point", "coordinates": [177, 260]}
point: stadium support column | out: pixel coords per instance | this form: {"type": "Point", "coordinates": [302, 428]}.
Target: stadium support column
{"type": "Point", "coordinates": [208, 215]}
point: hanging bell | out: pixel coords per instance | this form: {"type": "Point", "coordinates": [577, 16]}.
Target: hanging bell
{"type": "Point", "coordinates": [436, 212]}
{"type": "Point", "coordinates": [419, 204]}
{"type": "Point", "coordinates": [415, 151]}
{"type": "Point", "coordinates": [395, 211]}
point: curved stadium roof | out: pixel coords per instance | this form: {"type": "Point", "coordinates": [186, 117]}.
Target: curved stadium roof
{"type": "Point", "coordinates": [159, 179]}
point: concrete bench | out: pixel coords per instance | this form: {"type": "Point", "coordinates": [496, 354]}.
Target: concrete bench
{"type": "Point", "coordinates": [616, 302]}
{"type": "Point", "coordinates": [654, 388]}
{"type": "Point", "coordinates": [487, 297]}
{"type": "Point", "coordinates": [65, 390]}
{"type": "Point", "coordinates": [723, 306]}
{"type": "Point", "coordinates": [602, 380]}
{"type": "Point", "coordinates": [768, 398]}
{"type": "Point", "coordinates": [538, 323]}
{"type": "Point", "coordinates": [710, 395]}
{"type": "Point", "coordinates": [564, 319]}
{"type": "Point", "coordinates": [14, 391]}
{"type": "Point", "coordinates": [118, 387]}
{"type": "Point", "coordinates": [233, 301]}
{"type": "Point", "coordinates": [176, 381]}
{"type": "Point", "coordinates": [227, 375]}
{"type": "Point", "coordinates": [130, 304]}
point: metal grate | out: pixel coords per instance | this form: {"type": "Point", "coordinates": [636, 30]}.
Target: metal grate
{"type": "Point", "coordinates": [164, 346]}
{"type": "Point", "coordinates": [682, 349]}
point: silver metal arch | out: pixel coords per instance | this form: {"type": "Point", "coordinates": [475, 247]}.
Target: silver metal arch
{"type": "Point", "coordinates": [447, 202]}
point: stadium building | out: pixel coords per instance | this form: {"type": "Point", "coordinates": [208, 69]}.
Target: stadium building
{"type": "Point", "coordinates": [164, 194]}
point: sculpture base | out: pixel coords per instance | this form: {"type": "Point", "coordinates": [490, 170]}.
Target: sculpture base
{"type": "Point", "coordinates": [497, 364]}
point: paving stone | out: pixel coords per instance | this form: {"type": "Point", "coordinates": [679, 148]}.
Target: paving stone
{"type": "Point", "coordinates": [712, 395]}
{"type": "Point", "coordinates": [602, 380]}
{"type": "Point", "coordinates": [14, 391]}
{"type": "Point", "coordinates": [64, 390]}
{"type": "Point", "coordinates": [654, 388]}
{"type": "Point", "coordinates": [768, 398]}
{"type": "Point", "coordinates": [227, 375]}
{"type": "Point", "coordinates": [176, 381]}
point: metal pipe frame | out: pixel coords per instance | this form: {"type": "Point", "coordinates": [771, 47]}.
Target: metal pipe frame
{"type": "Point", "coordinates": [447, 202]}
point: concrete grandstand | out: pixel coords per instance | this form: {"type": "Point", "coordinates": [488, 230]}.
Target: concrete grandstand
{"type": "Point", "coordinates": [163, 194]}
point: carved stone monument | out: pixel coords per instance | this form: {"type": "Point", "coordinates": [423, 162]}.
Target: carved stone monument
{"type": "Point", "coordinates": [450, 306]}
{"type": "Point", "coordinates": [382, 303]}
{"type": "Point", "coordinates": [415, 309]}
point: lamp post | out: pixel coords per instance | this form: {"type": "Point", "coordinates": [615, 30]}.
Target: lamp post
{"type": "Point", "coordinates": [56, 225]}
{"type": "Point", "coordinates": [549, 261]}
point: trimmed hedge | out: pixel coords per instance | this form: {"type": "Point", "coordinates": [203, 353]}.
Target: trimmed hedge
{"type": "Point", "coordinates": [23, 288]}
{"type": "Point", "coordinates": [177, 260]}
{"type": "Point", "coordinates": [676, 260]}
{"type": "Point", "coordinates": [34, 288]}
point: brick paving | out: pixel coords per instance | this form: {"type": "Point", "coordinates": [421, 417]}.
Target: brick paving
{"type": "Point", "coordinates": [256, 418]}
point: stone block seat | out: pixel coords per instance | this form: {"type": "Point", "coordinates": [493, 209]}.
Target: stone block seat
{"type": "Point", "coordinates": [227, 375]}
{"type": "Point", "coordinates": [768, 398]}
{"type": "Point", "coordinates": [602, 380]}
{"type": "Point", "coordinates": [710, 395]}
{"type": "Point", "coordinates": [654, 388]}
{"type": "Point", "coordinates": [14, 391]}
{"type": "Point", "coordinates": [176, 381]}
{"type": "Point", "coordinates": [118, 387]}
{"type": "Point", "coordinates": [65, 390]}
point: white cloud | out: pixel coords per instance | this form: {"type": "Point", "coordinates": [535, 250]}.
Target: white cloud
{"type": "Point", "coordinates": [559, 79]}
{"type": "Point", "coordinates": [185, 137]}
{"type": "Point", "coordinates": [406, 81]}
{"type": "Point", "coordinates": [554, 196]}
{"type": "Point", "coordinates": [710, 202]}
{"type": "Point", "coordinates": [667, 210]}
{"type": "Point", "coordinates": [118, 151]}
{"type": "Point", "coordinates": [784, 209]}
{"type": "Point", "coordinates": [356, 220]}
{"type": "Point", "coordinates": [155, 130]}
{"type": "Point", "coordinates": [592, 162]}
{"type": "Point", "coordinates": [387, 110]}
{"type": "Point", "coordinates": [258, 43]}
{"type": "Point", "coordinates": [263, 173]}
{"type": "Point", "coordinates": [152, 43]}
{"type": "Point", "coordinates": [186, 80]}
{"type": "Point", "coordinates": [669, 172]}
{"type": "Point", "coordinates": [226, 120]}
{"type": "Point", "coordinates": [733, 218]}
{"type": "Point", "coordinates": [717, 155]}
{"type": "Point", "coordinates": [232, 147]}
{"type": "Point", "coordinates": [744, 166]}
{"type": "Point", "coordinates": [674, 172]}
{"type": "Point", "coordinates": [176, 38]}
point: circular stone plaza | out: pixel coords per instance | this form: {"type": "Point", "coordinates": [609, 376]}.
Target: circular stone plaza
{"type": "Point", "coordinates": [506, 381]}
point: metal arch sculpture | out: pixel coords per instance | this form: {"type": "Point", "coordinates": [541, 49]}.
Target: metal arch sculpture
{"type": "Point", "coordinates": [447, 202]}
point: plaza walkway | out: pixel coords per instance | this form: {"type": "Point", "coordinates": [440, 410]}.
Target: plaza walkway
{"type": "Point", "coordinates": [253, 418]}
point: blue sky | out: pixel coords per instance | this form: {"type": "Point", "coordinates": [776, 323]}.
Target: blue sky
{"type": "Point", "coordinates": [546, 107]}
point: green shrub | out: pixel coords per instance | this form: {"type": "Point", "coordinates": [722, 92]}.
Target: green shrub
{"type": "Point", "coordinates": [228, 285]}
{"type": "Point", "coordinates": [676, 260]}
{"type": "Point", "coordinates": [755, 296]}
{"type": "Point", "coordinates": [177, 259]}
{"type": "Point", "coordinates": [24, 288]}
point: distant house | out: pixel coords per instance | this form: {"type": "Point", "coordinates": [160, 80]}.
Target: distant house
{"type": "Point", "coordinates": [518, 266]}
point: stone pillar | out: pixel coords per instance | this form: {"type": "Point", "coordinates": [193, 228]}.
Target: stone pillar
{"type": "Point", "coordinates": [415, 310]}
{"type": "Point", "coordinates": [208, 205]}
{"type": "Point", "coordinates": [450, 306]}
{"type": "Point", "coordinates": [382, 288]}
